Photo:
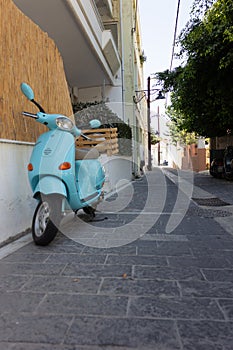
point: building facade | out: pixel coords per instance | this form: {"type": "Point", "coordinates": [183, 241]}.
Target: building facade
{"type": "Point", "coordinates": [90, 51]}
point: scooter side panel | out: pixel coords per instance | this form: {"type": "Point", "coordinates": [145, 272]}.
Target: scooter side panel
{"type": "Point", "coordinates": [89, 179]}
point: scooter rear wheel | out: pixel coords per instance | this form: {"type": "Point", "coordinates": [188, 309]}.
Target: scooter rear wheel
{"type": "Point", "coordinates": [46, 219]}
{"type": "Point", "coordinates": [90, 211]}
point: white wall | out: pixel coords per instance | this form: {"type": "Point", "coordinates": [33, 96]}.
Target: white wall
{"type": "Point", "coordinates": [16, 202]}
{"type": "Point", "coordinates": [111, 95]}
{"type": "Point", "coordinates": [118, 171]}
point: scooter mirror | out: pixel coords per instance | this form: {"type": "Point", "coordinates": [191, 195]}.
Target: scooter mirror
{"type": "Point", "coordinates": [94, 123]}
{"type": "Point", "coordinates": [27, 91]}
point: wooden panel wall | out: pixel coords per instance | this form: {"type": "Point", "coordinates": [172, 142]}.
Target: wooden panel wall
{"type": "Point", "coordinates": [28, 54]}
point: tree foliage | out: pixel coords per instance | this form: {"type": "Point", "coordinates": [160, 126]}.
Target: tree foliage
{"type": "Point", "coordinates": [177, 132]}
{"type": "Point", "coordinates": [154, 137]}
{"type": "Point", "coordinates": [202, 88]}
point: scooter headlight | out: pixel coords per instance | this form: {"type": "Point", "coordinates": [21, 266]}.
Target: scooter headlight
{"type": "Point", "coordinates": [64, 123]}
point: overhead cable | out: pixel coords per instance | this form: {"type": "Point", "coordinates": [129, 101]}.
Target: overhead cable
{"type": "Point", "coordinates": [175, 31]}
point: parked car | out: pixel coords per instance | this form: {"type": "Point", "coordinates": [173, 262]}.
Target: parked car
{"type": "Point", "coordinates": [221, 165]}
{"type": "Point", "coordinates": [228, 163]}
{"type": "Point", "coordinates": [217, 168]}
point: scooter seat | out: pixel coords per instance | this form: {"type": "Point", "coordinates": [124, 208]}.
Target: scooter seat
{"type": "Point", "coordinates": [84, 153]}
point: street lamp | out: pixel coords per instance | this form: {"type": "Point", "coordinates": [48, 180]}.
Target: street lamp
{"type": "Point", "coordinates": [147, 95]}
{"type": "Point", "coordinates": [159, 97]}
{"type": "Point", "coordinates": [159, 137]}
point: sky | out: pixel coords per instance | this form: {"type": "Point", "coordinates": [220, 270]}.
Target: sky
{"type": "Point", "coordinates": [158, 18]}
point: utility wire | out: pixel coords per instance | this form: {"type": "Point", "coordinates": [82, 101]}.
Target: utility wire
{"type": "Point", "coordinates": [175, 31]}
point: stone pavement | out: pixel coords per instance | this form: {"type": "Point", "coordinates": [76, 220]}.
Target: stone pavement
{"type": "Point", "coordinates": [154, 272]}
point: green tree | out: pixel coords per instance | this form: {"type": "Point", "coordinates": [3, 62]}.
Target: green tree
{"type": "Point", "coordinates": [202, 88]}
{"type": "Point", "coordinates": [154, 137]}
{"type": "Point", "coordinates": [176, 130]}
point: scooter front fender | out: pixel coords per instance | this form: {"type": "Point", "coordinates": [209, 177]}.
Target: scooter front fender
{"type": "Point", "coordinates": [50, 185]}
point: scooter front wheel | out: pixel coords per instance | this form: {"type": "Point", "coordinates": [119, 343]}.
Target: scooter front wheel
{"type": "Point", "coordinates": [46, 219]}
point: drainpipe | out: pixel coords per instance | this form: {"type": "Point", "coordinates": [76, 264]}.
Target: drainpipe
{"type": "Point", "coordinates": [134, 117]}
{"type": "Point", "coordinates": [122, 63]}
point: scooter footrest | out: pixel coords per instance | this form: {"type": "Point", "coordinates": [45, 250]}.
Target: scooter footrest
{"type": "Point", "coordinates": [88, 198]}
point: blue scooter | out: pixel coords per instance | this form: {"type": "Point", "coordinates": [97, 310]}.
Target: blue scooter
{"type": "Point", "coordinates": [61, 176]}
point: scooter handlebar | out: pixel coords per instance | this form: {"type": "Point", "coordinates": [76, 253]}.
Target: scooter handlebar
{"type": "Point", "coordinates": [28, 114]}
